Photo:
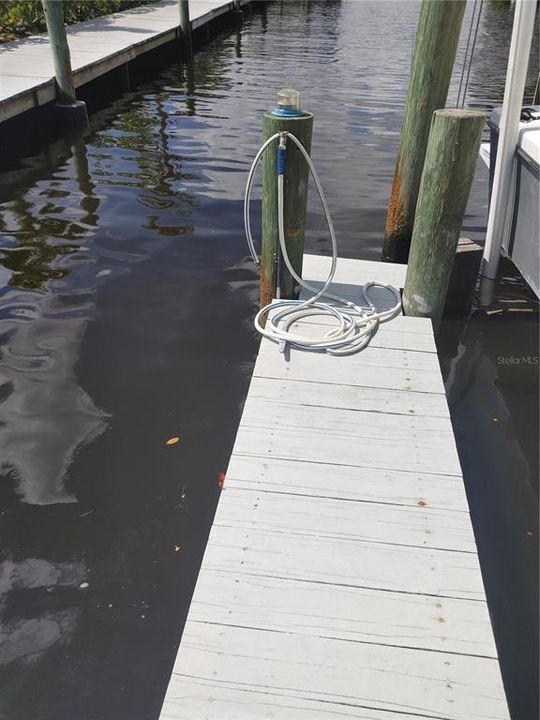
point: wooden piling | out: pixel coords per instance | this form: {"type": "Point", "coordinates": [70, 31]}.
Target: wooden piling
{"type": "Point", "coordinates": [73, 112]}
{"type": "Point", "coordinates": [296, 189]}
{"type": "Point", "coordinates": [54, 19]}
{"type": "Point", "coordinates": [185, 23]}
{"type": "Point", "coordinates": [450, 162]}
{"type": "Point", "coordinates": [238, 11]}
{"type": "Point", "coordinates": [433, 59]}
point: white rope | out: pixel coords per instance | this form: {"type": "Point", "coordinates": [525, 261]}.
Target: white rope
{"type": "Point", "coordinates": [464, 66]}
{"type": "Point", "coordinates": [475, 38]}
{"type": "Point", "coordinates": [535, 95]}
{"type": "Point", "coordinates": [467, 63]}
{"type": "Point", "coordinates": [354, 323]}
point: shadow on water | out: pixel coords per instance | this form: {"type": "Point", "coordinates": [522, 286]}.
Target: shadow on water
{"type": "Point", "coordinates": [125, 319]}
{"type": "Point", "coordinates": [490, 364]}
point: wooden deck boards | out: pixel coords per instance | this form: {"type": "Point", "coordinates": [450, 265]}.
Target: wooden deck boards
{"type": "Point", "coordinates": [341, 577]}
{"type": "Point", "coordinates": [96, 46]}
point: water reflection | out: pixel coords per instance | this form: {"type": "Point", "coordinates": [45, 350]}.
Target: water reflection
{"type": "Point", "coordinates": [24, 639]}
{"type": "Point", "coordinates": [488, 71]}
{"type": "Point", "coordinates": [53, 233]}
{"type": "Point", "coordinates": [97, 344]}
{"type": "Point", "coordinates": [45, 414]}
{"type": "Point", "coordinates": [490, 363]}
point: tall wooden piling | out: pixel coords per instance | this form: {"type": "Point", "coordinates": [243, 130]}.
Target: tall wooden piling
{"type": "Point", "coordinates": [433, 59]}
{"type": "Point", "coordinates": [74, 111]}
{"type": "Point", "coordinates": [185, 22]}
{"type": "Point", "coordinates": [450, 162]}
{"type": "Point", "coordinates": [296, 189]}
{"type": "Point", "coordinates": [54, 18]}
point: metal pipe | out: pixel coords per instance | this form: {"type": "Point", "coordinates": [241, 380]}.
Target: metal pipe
{"type": "Point", "coordinates": [516, 75]}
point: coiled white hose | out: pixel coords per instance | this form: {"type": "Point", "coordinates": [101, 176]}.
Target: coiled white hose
{"type": "Point", "coordinates": [355, 324]}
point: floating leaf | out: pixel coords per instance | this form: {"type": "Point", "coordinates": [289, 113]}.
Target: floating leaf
{"type": "Point", "coordinates": [172, 441]}
{"type": "Point", "coordinates": [220, 480]}
{"type": "Point", "coordinates": [177, 548]}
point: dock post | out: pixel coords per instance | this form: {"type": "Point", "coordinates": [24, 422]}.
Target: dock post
{"type": "Point", "coordinates": [431, 69]}
{"type": "Point", "coordinates": [238, 11]}
{"type": "Point", "coordinates": [73, 109]}
{"type": "Point", "coordinates": [451, 156]}
{"type": "Point", "coordinates": [273, 269]}
{"type": "Point", "coordinates": [185, 23]}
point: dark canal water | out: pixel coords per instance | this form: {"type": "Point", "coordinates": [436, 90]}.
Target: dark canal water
{"type": "Point", "coordinates": [126, 301]}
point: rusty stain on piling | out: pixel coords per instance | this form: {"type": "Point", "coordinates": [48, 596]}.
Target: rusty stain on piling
{"type": "Point", "coordinates": [395, 217]}
{"type": "Point", "coordinates": [396, 234]}
{"type": "Point", "coordinates": [267, 292]}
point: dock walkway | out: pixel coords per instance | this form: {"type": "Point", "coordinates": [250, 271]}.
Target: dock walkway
{"type": "Point", "coordinates": [341, 576]}
{"type": "Point", "coordinates": [96, 46]}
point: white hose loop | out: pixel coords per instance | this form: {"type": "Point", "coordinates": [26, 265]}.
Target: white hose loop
{"type": "Point", "coordinates": [355, 324]}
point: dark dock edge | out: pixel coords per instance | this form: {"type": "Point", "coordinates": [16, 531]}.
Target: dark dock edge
{"type": "Point", "coordinates": [26, 133]}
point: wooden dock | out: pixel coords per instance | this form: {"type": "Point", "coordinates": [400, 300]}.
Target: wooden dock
{"type": "Point", "coordinates": [96, 46]}
{"type": "Point", "coordinates": [341, 576]}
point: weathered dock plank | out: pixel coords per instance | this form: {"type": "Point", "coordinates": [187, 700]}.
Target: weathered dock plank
{"type": "Point", "coordinates": [332, 518]}
{"type": "Point", "coordinates": [386, 441]}
{"type": "Point", "coordinates": [262, 665]}
{"type": "Point", "coordinates": [410, 372]}
{"type": "Point", "coordinates": [348, 397]}
{"type": "Point", "coordinates": [345, 561]}
{"type": "Point", "coordinates": [341, 577]}
{"type": "Point", "coordinates": [409, 620]}
{"type": "Point", "coordinates": [96, 47]}
{"type": "Point", "coordinates": [342, 481]}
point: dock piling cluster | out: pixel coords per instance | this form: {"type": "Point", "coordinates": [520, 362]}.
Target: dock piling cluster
{"type": "Point", "coordinates": [435, 48]}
